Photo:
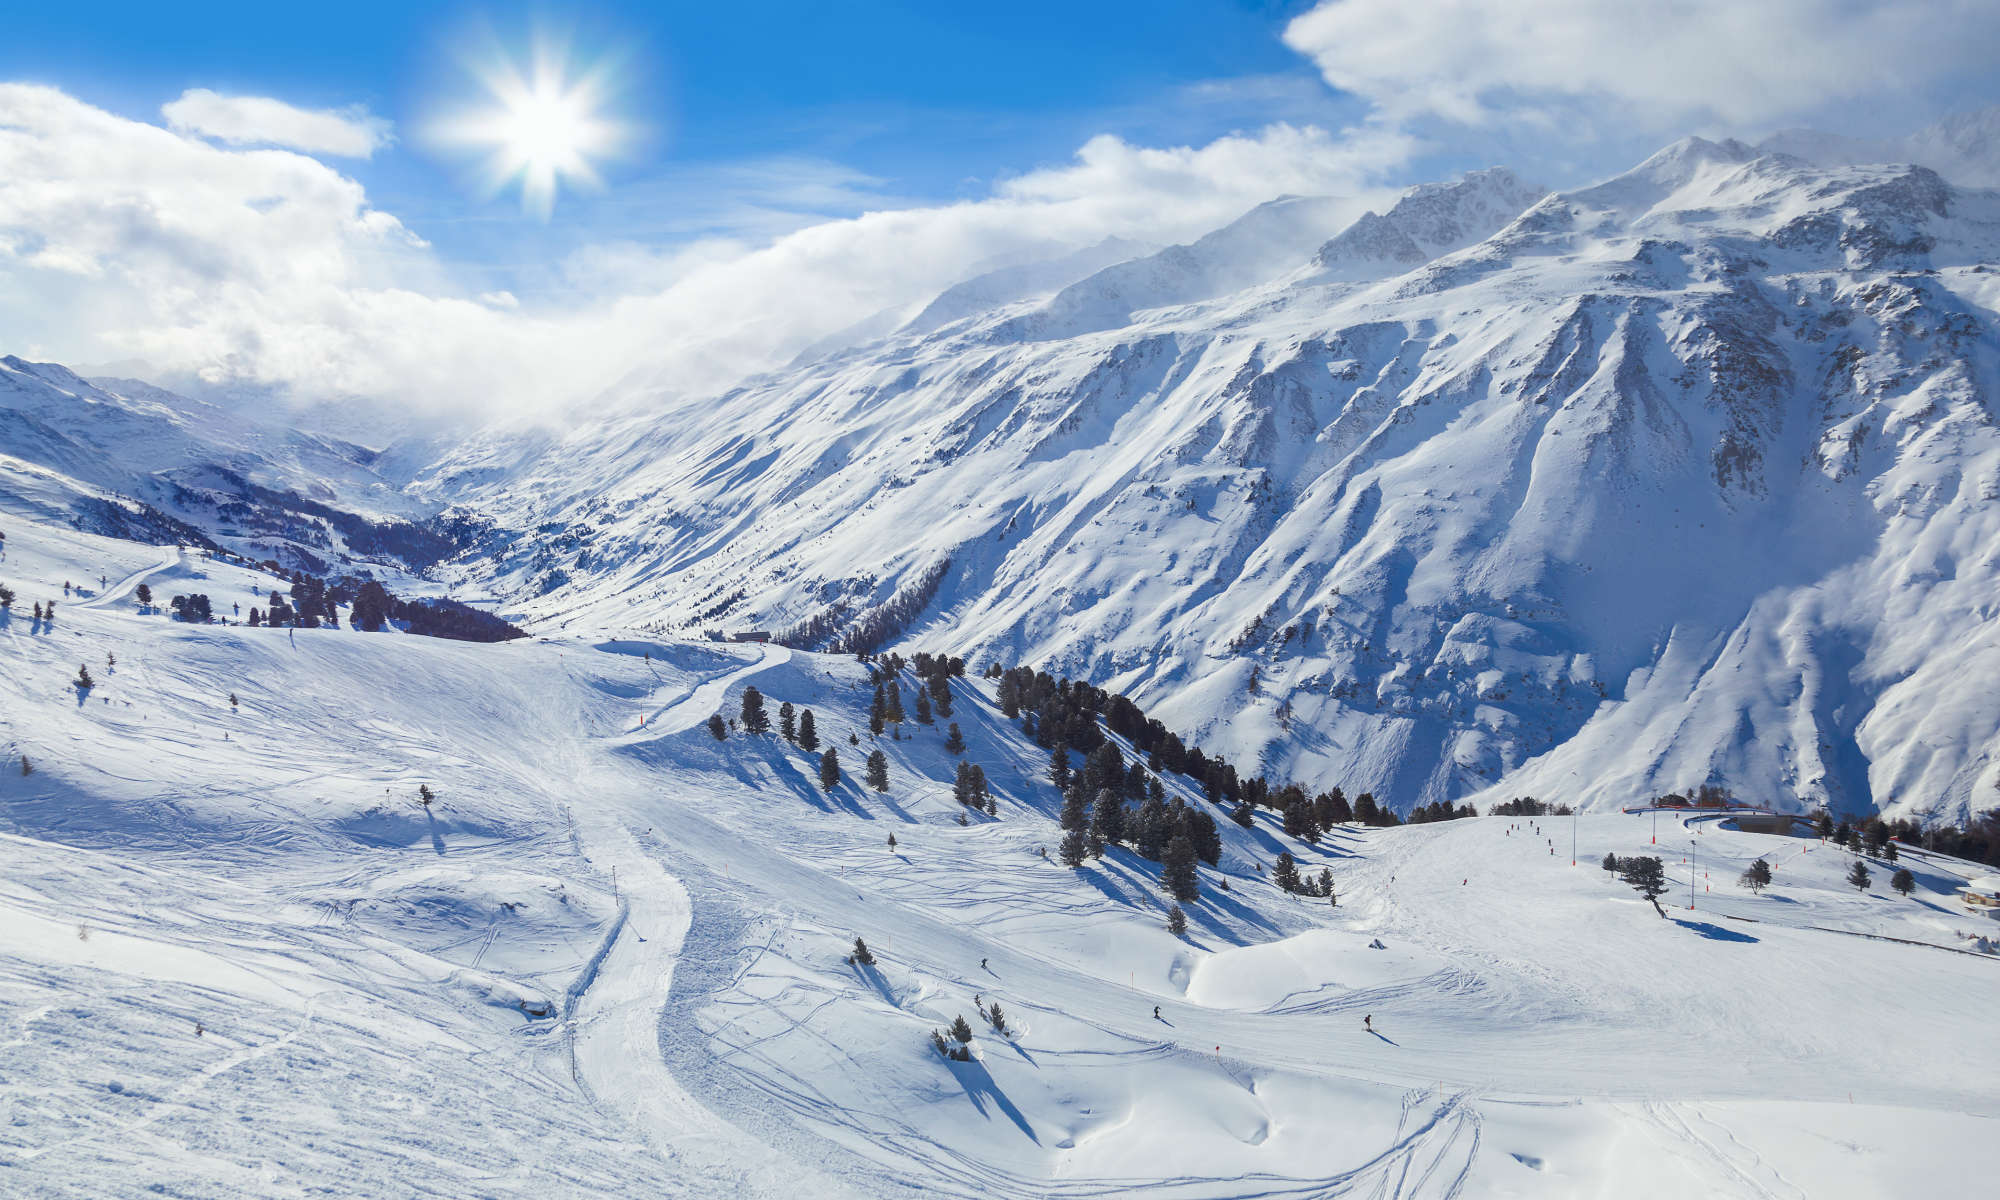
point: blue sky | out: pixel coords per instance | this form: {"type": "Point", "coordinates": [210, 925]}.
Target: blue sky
{"type": "Point", "coordinates": [822, 108]}
{"type": "Point", "coordinates": [255, 193]}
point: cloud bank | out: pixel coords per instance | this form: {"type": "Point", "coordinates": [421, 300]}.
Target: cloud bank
{"type": "Point", "coordinates": [259, 120]}
{"type": "Point", "coordinates": [1666, 66]}
{"type": "Point", "coordinates": [121, 240]}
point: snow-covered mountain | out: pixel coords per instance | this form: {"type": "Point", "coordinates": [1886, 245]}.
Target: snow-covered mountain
{"type": "Point", "coordinates": [124, 457]}
{"type": "Point", "coordinates": [1684, 477]}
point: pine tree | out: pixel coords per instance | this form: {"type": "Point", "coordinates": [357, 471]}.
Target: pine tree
{"type": "Point", "coordinates": [1903, 881]}
{"type": "Point", "coordinates": [1647, 877]}
{"type": "Point", "coordinates": [808, 735]}
{"type": "Point", "coordinates": [1153, 831]}
{"type": "Point", "coordinates": [1823, 823]}
{"type": "Point", "coordinates": [924, 709]}
{"type": "Point", "coordinates": [755, 720]}
{"type": "Point", "coordinates": [1299, 820]}
{"type": "Point", "coordinates": [1326, 886]}
{"type": "Point", "coordinates": [1243, 815]}
{"type": "Point", "coordinates": [425, 795]}
{"type": "Point", "coordinates": [1073, 817]}
{"type": "Point", "coordinates": [145, 595]}
{"type": "Point", "coordinates": [788, 722]}
{"type": "Point", "coordinates": [861, 955]}
{"type": "Point", "coordinates": [715, 727]}
{"type": "Point", "coordinates": [1178, 875]}
{"type": "Point", "coordinates": [1075, 845]}
{"type": "Point", "coordinates": [960, 1031]}
{"type": "Point", "coordinates": [894, 709]}
{"type": "Point", "coordinates": [892, 841]}
{"type": "Point", "coordinates": [1610, 861]}
{"type": "Point", "coordinates": [1059, 768]}
{"type": "Point", "coordinates": [1757, 876]}
{"type": "Point", "coordinates": [1889, 851]}
{"type": "Point", "coordinates": [954, 740]}
{"type": "Point", "coordinates": [878, 771]}
{"type": "Point", "coordinates": [996, 1018]}
{"type": "Point", "coordinates": [1176, 921]}
{"type": "Point", "coordinates": [1874, 838]}
{"type": "Point", "coordinates": [1286, 873]}
{"type": "Point", "coordinates": [1858, 877]}
{"type": "Point", "coordinates": [1107, 818]}
{"type": "Point", "coordinates": [83, 681]}
{"type": "Point", "coordinates": [829, 770]}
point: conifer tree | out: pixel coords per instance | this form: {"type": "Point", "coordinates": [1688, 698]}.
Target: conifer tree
{"type": "Point", "coordinates": [878, 771]}
{"type": "Point", "coordinates": [144, 595]}
{"type": "Point", "coordinates": [1107, 818]}
{"type": "Point", "coordinates": [1059, 768]}
{"type": "Point", "coordinates": [755, 720]}
{"type": "Point", "coordinates": [954, 740]}
{"type": "Point", "coordinates": [894, 709]}
{"type": "Point", "coordinates": [1153, 831]}
{"type": "Point", "coordinates": [892, 841]}
{"type": "Point", "coordinates": [83, 682]}
{"type": "Point", "coordinates": [1326, 886]}
{"type": "Point", "coordinates": [1903, 881]}
{"type": "Point", "coordinates": [1075, 845]}
{"type": "Point", "coordinates": [1073, 817]}
{"type": "Point", "coordinates": [1610, 861]}
{"type": "Point", "coordinates": [878, 710]}
{"type": "Point", "coordinates": [1176, 921]}
{"type": "Point", "coordinates": [808, 734]}
{"type": "Point", "coordinates": [1299, 820]}
{"type": "Point", "coordinates": [788, 722]}
{"type": "Point", "coordinates": [861, 955]}
{"type": "Point", "coordinates": [924, 709]}
{"type": "Point", "coordinates": [1889, 851]}
{"type": "Point", "coordinates": [1647, 877]}
{"type": "Point", "coordinates": [1858, 877]}
{"type": "Point", "coordinates": [1178, 875]}
{"type": "Point", "coordinates": [715, 727]}
{"type": "Point", "coordinates": [960, 1031]}
{"type": "Point", "coordinates": [996, 1018]}
{"type": "Point", "coordinates": [1286, 873]}
{"type": "Point", "coordinates": [829, 770]}
{"type": "Point", "coordinates": [1756, 876]}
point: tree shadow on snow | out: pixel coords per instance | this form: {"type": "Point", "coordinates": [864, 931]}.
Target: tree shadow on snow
{"type": "Point", "coordinates": [1715, 933]}
{"type": "Point", "coordinates": [437, 839]}
{"type": "Point", "coordinates": [979, 1085]}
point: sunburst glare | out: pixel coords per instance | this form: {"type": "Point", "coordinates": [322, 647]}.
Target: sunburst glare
{"type": "Point", "coordinates": [541, 125]}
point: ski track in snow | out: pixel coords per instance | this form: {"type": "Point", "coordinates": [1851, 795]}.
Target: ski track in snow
{"type": "Point", "coordinates": [365, 966]}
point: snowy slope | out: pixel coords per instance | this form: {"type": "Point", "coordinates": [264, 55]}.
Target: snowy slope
{"type": "Point", "coordinates": [1684, 477]}
{"type": "Point", "coordinates": [238, 957]}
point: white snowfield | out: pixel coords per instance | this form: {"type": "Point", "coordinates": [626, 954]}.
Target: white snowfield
{"type": "Point", "coordinates": [239, 958]}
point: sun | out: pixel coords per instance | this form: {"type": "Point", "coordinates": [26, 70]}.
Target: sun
{"type": "Point", "coordinates": [541, 127]}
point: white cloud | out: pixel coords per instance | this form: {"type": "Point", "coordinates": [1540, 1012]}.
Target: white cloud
{"type": "Point", "coordinates": [120, 240]}
{"type": "Point", "coordinates": [1664, 65]}
{"type": "Point", "coordinates": [259, 120]}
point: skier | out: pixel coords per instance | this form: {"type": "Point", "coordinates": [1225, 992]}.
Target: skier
{"type": "Point", "coordinates": [982, 964]}
{"type": "Point", "coordinates": [1368, 1022]}
{"type": "Point", "coordinates": [1156, 1012]}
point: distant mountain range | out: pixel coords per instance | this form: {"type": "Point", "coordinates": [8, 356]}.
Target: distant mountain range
{"type": "Point", "coordinates": [1686, 477]}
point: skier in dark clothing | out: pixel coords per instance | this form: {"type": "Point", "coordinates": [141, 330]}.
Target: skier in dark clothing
{"type": "Point", "coordinates": [1156, 1012]}
{"type": "Point", "coordinates": [1368, 1022]}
